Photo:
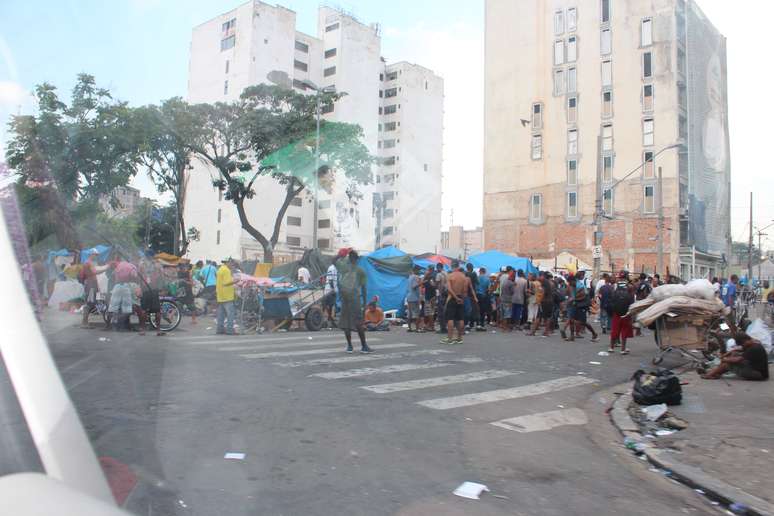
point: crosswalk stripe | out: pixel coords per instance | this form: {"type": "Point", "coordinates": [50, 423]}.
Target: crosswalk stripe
{"type": "Point", "coordinates": [287, 345]}
{"type": "Point", "coordinates": [277, 354]}
{"type": "Point", "coordinates": [395, 368]}
{"type": "Point", "coordinates": [249, 338]}
{"type": "Point", "coordinates": [363, 358]}
{"type": "Point", "coordinates": [438, 381]}
{"type": "Point", "coordinates": [524, 391]}
{"type": "Point", "coordinates": [543, 421]}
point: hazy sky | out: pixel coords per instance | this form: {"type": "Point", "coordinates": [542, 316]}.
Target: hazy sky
{"type": "Point", "coordinates": [139, 49]}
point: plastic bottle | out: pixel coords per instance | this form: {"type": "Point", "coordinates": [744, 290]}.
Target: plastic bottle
{"type": "Point", "coordinates": [738, 508]}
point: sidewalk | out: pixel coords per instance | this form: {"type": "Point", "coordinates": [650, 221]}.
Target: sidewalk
{"type": "Point", "coordinates": [727, 449]}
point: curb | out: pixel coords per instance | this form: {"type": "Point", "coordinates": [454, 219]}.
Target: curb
{"type": "Point", "coordinates": [688, 475]}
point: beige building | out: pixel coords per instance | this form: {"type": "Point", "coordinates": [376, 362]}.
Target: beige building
{"type": "Point", "coordinates": [459, 242]}
{"type": "Point", "coordinates": [122, 202]}
{"type": "Point", "coordinates": [581, 93]}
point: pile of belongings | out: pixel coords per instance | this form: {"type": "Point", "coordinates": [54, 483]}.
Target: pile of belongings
{"type": "Point", "coordinates": [695, 299]}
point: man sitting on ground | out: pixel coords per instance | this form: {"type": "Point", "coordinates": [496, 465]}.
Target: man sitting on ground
{"type": "Point", "coordinates": [374, 317]}
{"type": "Point", "coordinates": [748, 363]}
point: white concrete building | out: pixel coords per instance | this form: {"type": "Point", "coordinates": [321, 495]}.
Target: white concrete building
{"type": "Point", "coordinates": [238, 49]}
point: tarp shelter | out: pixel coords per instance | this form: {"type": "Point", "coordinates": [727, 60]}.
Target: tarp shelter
{"type": "Point", "coordinates": [313, 259]}
{"type": "Point", "coordinates": [387, 271]}
{"type": "Point", "coordinates": [52, 255]}
{"type": "Point", "coordinates": [103, 252]}
{"type": "Point", "coordinates": [493, 261]}
{"type": "Point", "coordinates": [431, 260]}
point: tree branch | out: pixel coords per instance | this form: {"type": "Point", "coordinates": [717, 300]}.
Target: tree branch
{"type": "Point", "coordinates": [290, 194]}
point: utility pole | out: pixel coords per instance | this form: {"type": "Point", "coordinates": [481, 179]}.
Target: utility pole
{"type": "Point", "coordinates": [760, 250]}
{"type": "Point", "coordinates": [598, 209]}
{"type": "Point", "coordinates": [750, 244]}
{"type": "Point", "coordinates": [660, 235]}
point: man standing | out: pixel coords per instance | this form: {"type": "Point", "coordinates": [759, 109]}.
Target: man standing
{"type": "Point", "coordinates": [352, 289]}
{"type": "Point", "coordinates": [207, 277]}
{"type": "Point", "coordinates": [484, 301]}
{"type": "Point", "coordinates": [459, 287]}
{"type": "Point", "coordinates": [441, 284]}
{"type": "Point", "coordinates": [225, 296]}
{"type": "Point", "coordinates": [545, 305]}
{"type": "Point", "coordinates": [728, 293]}
{"type": "Point", "coordinates": [429, 290]}
{"type": "Point", "coordinates": [620, 301]}
{"type": "Point", "coordinates": [604, 295]}
{"type": "Point", "coordinates": [330, 293]}
{"type": "Point", "coordinates": [471, 304]}
{"type": "Point", "coordinates": [506, 300]}
{"type": "Point", "coordinates": [518, 299]}
{"type": "Point", "coordinates": [412, 299]}
{"type": "Point", "coordinates": [88, 277]}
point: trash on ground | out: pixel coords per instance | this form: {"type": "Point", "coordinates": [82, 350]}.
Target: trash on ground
{"type": "Point", "coordinates": [104, 339]}
{"type": "Point", "coordinates": [501, 497]}
{"type": "Point", "coordinates": [234, 456]}
{"type": "Point", "coordinates": [738, 508]}
{"type": "Point", "coordinates": [699, 491]}
{"type": "Point", "coordinates": [309, 338]}
{"type": "Point", "coordinates": [662, 433]}
{"type": "Point", "coordinates": [560, 406]}
{"type": "Point", "coordinates": [595, 363]}
{"type": "Point", "coordinates": [603, 354]}
{"type": "Point", "coordinates": [470, 490]}
{"type": "Point", "coordinates": [654, 412]}
{"type": "Point", "coordinates": [209, 327]}
{"type": "Point", "coordinates": [182, 504]}
{"type": "Point", "coordinates": [580, 372]}
{"type": "Point", "coordinates": [675, 423]}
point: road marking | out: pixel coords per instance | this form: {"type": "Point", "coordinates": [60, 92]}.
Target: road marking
{"type": "Point", "coordinates": [84, 378]}
{"type": "Point", "coordinates": [287, 345]}
{"type": "Point", "coordinates": [363, 358]}
{"type": "Point", "coordinates": [276, 354]}
{"type": "Point", "coordinates": [438, 381]}
{"type": "Point", "coordinates": [76, 364]}
{"type": "Point", "coordinates": [246, 338]}
{"type": "Point", "coordinates": [396, 368]}
{"type": "Point", "coordinates": [544, 420]}
{"type": "Point", "coordinates": [524, 391]}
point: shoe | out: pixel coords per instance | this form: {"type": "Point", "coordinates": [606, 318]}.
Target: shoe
{"type": "Point", "coordinates": [366, 350]}
{"type": "Point", "coordinates": [624, 351]}
{"type": "Point", "coordinates": [611, 349]}
{"type": "Point", "coordinates": [349, 349]}
{"type": "Point", "coordinates": [446, 340]}
{"type": "Point", "coordinates": [457, 341]}
{"type": "Point", "coordinates": [563, 334]}
{"type": "Point", "coordinates": [595, 338]}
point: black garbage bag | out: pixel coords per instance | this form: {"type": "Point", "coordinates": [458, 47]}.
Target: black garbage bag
{"type": "Point", "coordinates": [659, 386]}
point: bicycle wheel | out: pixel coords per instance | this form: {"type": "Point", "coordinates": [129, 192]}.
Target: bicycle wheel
{"type": "Point", "coordinates": [170, 316]}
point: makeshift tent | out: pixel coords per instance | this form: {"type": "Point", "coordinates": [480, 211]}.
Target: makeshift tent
{"type": "Point", "coordinates": [53, 254]}
{"type": "Point", "coordinates": [431, 260]}
{"type": "Point", "coordinates": [493, 261]}
{"type": "Point", "coordinates": [103, 252]}
{"type": "Point", "coordinates": [313, 259]}
{"type": "Point", "coordinates": [387, 271]}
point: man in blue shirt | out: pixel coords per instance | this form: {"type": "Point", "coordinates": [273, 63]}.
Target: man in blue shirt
{"type": "Point", "coordinates": [484, 302]}
{"type": "Point", "coordinates": [728, 294]}
{"type": "Point", "coordinates": [208, 277]}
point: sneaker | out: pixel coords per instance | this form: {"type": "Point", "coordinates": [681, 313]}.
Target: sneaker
{"type": "Point", "coordinates": [349, 349]}
{"type": "Point", "coordinates": [624, 351]}
{"type": "Point", "coordinates": [595, 338]}
{"type": "Point", "coordinates": [611, 349]}
{"type": "Point", "coordinates": [457, 341]}
{"type": "Point", "coordinates": [446, 340]}
{"type": "Point", "coordinates": [365, 350]}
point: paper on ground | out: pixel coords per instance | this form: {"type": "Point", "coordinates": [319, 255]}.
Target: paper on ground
{"type": "Point", "coordinates": [234, 456]}
{"type": "Point", "coordinates": [655, 411]}
{"type": "Point", "coordinates": [470, 490]}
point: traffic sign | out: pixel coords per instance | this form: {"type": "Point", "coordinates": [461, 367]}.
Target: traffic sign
{"type": "Point", "coordinates": [596, 251]}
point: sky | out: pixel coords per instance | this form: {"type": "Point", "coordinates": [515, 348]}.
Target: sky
{"type": "Point", "coordinates": [139, 50]}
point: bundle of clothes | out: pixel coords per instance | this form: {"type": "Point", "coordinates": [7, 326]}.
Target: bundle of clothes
{"type": "Point", "coordinates": [695, 299]}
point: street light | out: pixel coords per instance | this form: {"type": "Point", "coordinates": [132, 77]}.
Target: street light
{"type": "Point", "coordinates": [760, 250]}
{"type": "Point", "coordinates": [282, 79]}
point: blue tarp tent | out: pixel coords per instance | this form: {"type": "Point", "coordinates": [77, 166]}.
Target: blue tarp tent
{"type": "Point", "coordinates": [387, 276]}
{"type": "Point", "coordinates": [103, 252]}
{"type": "Point", "coordinates": [495, 260]}
{"type": "Point", "coordinates": [54, 254]}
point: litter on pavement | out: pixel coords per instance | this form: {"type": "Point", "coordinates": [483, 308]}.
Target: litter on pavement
{"type": "Point", "coordinates": [653, 412]}
{"type": "Point", "coordinates": [470, 490]}
{"type": "Point", "coordinates": [603, 354]}
{"type": "Point", "coordinates": [234, 456]}
{"type": "Point", "coordinates": [595, 363]}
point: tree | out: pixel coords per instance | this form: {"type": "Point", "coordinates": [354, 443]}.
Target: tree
{"type": "Point", "coordinates": [270, 131]}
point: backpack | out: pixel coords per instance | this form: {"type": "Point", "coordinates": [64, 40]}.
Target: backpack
{"type": "Point", "coordinates": [621, 300]}
{"type": "Point", "coordinates": [660, 386]}
{"type": "Point", "coordinates": [643, 290]}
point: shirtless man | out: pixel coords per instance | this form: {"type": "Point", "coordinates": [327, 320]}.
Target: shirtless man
{"type": "Point", "coordinates": [459, 286]}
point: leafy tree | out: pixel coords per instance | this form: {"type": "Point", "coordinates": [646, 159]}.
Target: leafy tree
{"type": "Point", "coordinates": [270, 131]}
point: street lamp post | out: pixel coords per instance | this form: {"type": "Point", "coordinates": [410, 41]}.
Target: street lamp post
{"type": "Point", "coordinates": [760, 249]}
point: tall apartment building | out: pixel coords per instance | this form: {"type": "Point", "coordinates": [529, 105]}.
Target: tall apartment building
{"type": "Point", "coordinates": [577, 89]}
{"type": "Point", "coordinates": [398, 106]}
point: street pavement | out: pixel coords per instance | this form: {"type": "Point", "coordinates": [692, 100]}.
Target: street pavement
{"type": "Point", "coordinates": [327, 433]}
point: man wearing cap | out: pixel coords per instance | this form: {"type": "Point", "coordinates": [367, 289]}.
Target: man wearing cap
{"type": "Point", "coordinates": [225, 295]}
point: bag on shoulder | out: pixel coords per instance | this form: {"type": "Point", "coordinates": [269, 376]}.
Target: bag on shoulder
{"type": "Point", "coordinates": [660, 386]}
{"type": "Point", "coordinates": [620, 300]}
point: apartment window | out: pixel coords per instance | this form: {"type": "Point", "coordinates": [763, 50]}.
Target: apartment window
{"type": "Point", "coordinates": [572, 205]}
{"type": "Point", "coordinates": [605, 11]}
{"type": "Point", "coordinates": [294, 221]}
{"type": "Point", "coordinates": [647, 97]}
{"type": "Point", "coordinates": [331, 28]}
{"type": "Point", "coordinates": [392, 92]}
{"type": "Point", "coordinates": [294, 241]}
{"type": "Point", "coordinates": [388, 162]}
{"type": "Point", "coordinates": [647, 64]}
{"type": "Point", "coordinates": [607, 169]}
{"type": "Point", "coordinates": [227, 43]}
{"type": "Point", "coordinates": [682, 96]}
{"type": "Point", "coordinates": [559, 22]}
{"type": "Point", "coordinates": [607, 202]}
{"type": "Point", "coordinates": [300, 65]}
{"type": "Point", "coordinates": [388, 144]}
{"type": "Point", "coordinates": [388, 213]}
{"type": "Point", "coordinates": [572, 80]}
{"type": "Point", "coordinates": [558, 82]}
{"type": "Point", "coordinates": [607, 73]}
{"type": "Point", "coordinates": [387, 231]}
{"type": "Point", "coordinates": [303, 47]}
{"type": "Point", "coordinates": [572, 19]}
{"type": "Point", "coordinates": [537, 146]}
{"type": "Point", "coordinates": [572, 49]}
{"type": "Point", "coordinates": [324, 223]}
{"type": "Point", "coordinates": [681, 61]}
{"type": "Point", "coordinates": [392, 76]}
{"type": "Point", "coordinates": [649, 200]}
{"type": "Point", "coordinates": [537, 116]}
{"type": "Point", "coordinates": [229, 25]}
{"type": "Point", "coordinates": [220, 195]}
{"type": "Point", "coordinates": [331, 52]}
{"type": "Point", "coordinates": [646, 32]}
{"type": "Point", "coordinates": [296, 201]}
{"type": "Point", "coordinates": [329, 71]}
{"type": "Point", "coordinates": [572, 172]}
{"type": "Point", "coordinates": [558, 52]}
{"type": "Point", "coordinates": [572, 141]}
{"type": "Point", "coordinates": [426, 167]}
{"type": "Point", "coordinates": [536, 207]}
{"type": "Point", "coordinates": [327, 108]}
{"type": "Point", "coordinates": [217, 237]}
{"type": "Point", "coordinates": [605, 42]}
{"type": "Point", "coordinates": [390, 126]}
{"type": "Point", "coordinates": [389, 110]}
{"type": "Point", "coordinates": [648, 169]}
{"type": "Point", "coordinates": [225, 87]}
{"type": "Point", "coordinates": [607, 137]}
{"type": "Point", "coordinates": [682, 127]}
{"type": "Point", "coordinates": [227, 65]}
{"type": "Point", "coordinates": [324, 243]}
{"type": "Point", "coordinates": [607, 104]}
{"type": "Point", "coordinates": [381, 76]}
{"type": "Point", "coordinates": [220, 213]}
{"type": "Point", "coordinates": [647, 132]}
{"type": "Point", "coordinates": [324, 205]}
{"type": "Point", "coordinates": [572, 110]}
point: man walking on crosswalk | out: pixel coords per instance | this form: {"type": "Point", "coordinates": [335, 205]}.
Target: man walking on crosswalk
{"type": "Point", "coordinates": [459, 287]}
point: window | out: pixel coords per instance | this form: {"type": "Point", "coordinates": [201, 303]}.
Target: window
{"type": "Point", "coordinates": [607, 202]}
{"type": "Point", "coordinates": [649, 201]}
{"type": "Point", "coordinates": [299, 84]}
{"type": "Point", "coordinates": [392, 92]}
{"type": "Point", "coordinates": [324, 205]}
{"type": "Point", "coordinates": [217, 237]}
{"type": "Point", "coordinates": [227, 43]}
{"type": "Point", "coordinates": [225, 87]}
{"type": "Point", "coordinates": [296, 201]}
{"type": "Point", "coordinates": [387, 231]}
{"type": "Point", "coordinates": [605, 42]}
{"type": "Point", "coordinates": [331, 28]}
{"type": "Point", "coordinates": [607, 73]}
{"type": "Point", "coordinates": [329, 71]}
{"type": "Point", "coordinates": [607, 104]}
{"type": "Point", "coordinates": [572, 49]}
{"type": "Point", "coordinates": [572, 172]}
{"type": "Point", "coordinates": [426, 167]}
{"type": "Point", "coordinates": [330, 53]}
{"type": "Point", "coordinates": [220, 195]}
{"type": "Point", "coordinates": [558, 52]}
{"type": "Point", "coordinates": [559, 22]}
{"type": "Point", "coordinates": [607, 137]}
{"type": "Point", "coordinates": [300, 65]}
{"type": "Point", "coordinates": [324, 223]}
{"type": "Point", "coordinates": [227, 65]}
{"type": "Point", "coordinates": [558, 82]}
{"type": "Point", "coordinates": [388, 162]}
{"type": "Point", "coordinates": [605, 11]}
{"type": "Point", "coordinates": [648, 169]}
{"type": "Point", "coordinates": [572, 141]}
{"type": "Point", "coordinates": [388, 110]}
{"type": "Point", "coordinates": [682, 127]}
{"type": "Point", "coordinates": [572, 80]}
{"type": "Point", "coordinates": [647, 64]}
{"type": "Point", "coordinates": [392, 76]}
{"type": "Point", "coordinates": [327, 108]}
{"type": "Point", "coordinates": [607, 169]}
{"type": "Point", "coordinates": [537, 146]}
{"type": "Point", "coordinates": [647, 97]}
{"type": "Point", "coordinates": [220, 213]}
{"type": "Point", "coordinates": [324, 243]}
{"type": "Point", "coordinates": [294, 241]}
{"type": "Point", "coordinates": [647, 132]}
{"type": "Point", "coordinates": [682, 96]}
{"type": "Point", "coordinates": [388, 144]}
{"type": "Point", "coordinates": [646, 32]}
{"type": "Point", "coordinates": [294, 221]}
{"type": "Point", "coordinates": [303, 47]}
{"type": "Point", "coordinates": [388, 213]}
{"type": "Point", "coordinates": [536, 207]}
{"type": "Point", "coordinates": [681, 61]}
{"type": "Point", "coordinates": [390, 126]}
{"type": "Point", "coordinates": [229, 25]}
{"type": "Point", "coordinates": [572, 205]}
{"type": "Point", "coordinates": [572, 19]}
{"type": "Point", "coordinates": [537, 116]}
{"type": "Point", "coordinates": [572, 110]}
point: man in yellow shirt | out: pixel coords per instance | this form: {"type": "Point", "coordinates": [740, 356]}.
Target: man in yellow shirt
{"type": "Point", "coordinates": [225, 293]}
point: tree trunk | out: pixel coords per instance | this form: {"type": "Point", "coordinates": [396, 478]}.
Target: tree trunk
{"type": "Point", "coordinates": [268, 248]}
{"type": "Point", "coordinates": [290, 194]}
{"type": "Point", "coordinates": [59, 218]}
{"type": "Point", "coordinates": [183, 236]}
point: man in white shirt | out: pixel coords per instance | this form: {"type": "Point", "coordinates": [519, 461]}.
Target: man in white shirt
{"type": "Point", "coordinates": [303, 275]}
{"type": "Point", "coordinates": [330, 293]}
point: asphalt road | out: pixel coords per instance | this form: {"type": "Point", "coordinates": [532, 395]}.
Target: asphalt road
{"type": "Point", "coordinates": [326, 433]}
